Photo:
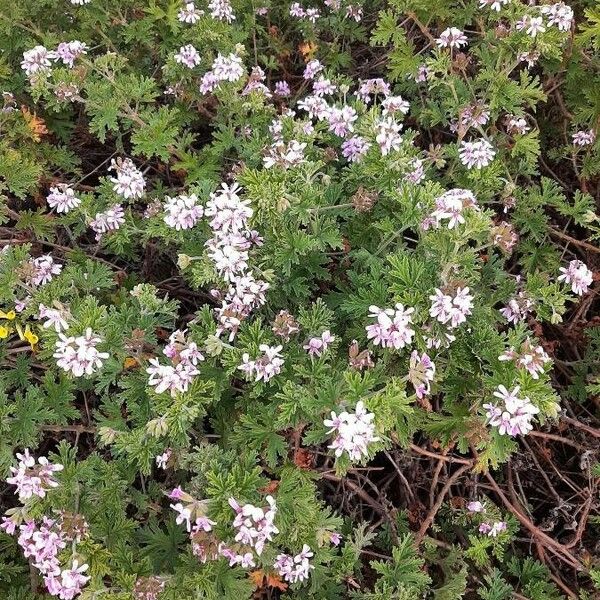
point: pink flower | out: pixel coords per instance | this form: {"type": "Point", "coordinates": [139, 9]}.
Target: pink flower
{"type": "Point", "coordinates": [78, 355]}
{"type": "Point", "coordinates": [353, 432]}
{"type": "Point", "coordinates": [294, 568]}
{"type": "Point", "coordinates": [31, 479]}
{"type": "Point", "coordinates": [129, 181]}
{"type": "Point", "coordinates": [318, 345]}
{"type": "Point", "coordinates": [453, 310]}
{"type": "Point", "coordinates": [475, 507]}
{"type": "Point", "coordinates": [182, 212]}
{"type": "Point", "coordinates": [514, 415]}
{"type": "Point", "coordinates": [578, 276]}
{"type": "Point", "coordinates": [451, 38]}
{"type": "Point", "coordinates": [62, 198]}
{"type": "Point", "coordinates": [476, 154]}
{"type": "Point", "coordinates": [266, 366]}
{"type": "Point", "coordinates": [392, 329]}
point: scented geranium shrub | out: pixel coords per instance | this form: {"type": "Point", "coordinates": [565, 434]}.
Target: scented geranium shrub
{"type": "Point", "coordinates": [298, 300]}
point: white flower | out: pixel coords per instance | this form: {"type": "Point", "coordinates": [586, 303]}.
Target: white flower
{"type": "Point", "coordinates": [54, 318]}
{"type": "Point", "coordinates": [79, 355]}
{"type": "Point", "coordinates": [392, 329]}
{"type": "Point", "coordinates": [189, 13]}
{"type": "Point", "coordinates": [188, 56]}
{"type": "Point", "coordinates": [452, 310]}
{"type": "Point", "coordinates": [559, 14]}
{"type": "Point", "coordinates": [578, 276]}
{"type": "Point", "coordinates": [584, 138]}
{"type": "Point", "coordinates": [451, 38]}
{"type": "Point", "coordinates": [388, 136]}
{"type": "Point", "coordinates": [43, 270]}
{"type": "Point", "coordinates": [478, 153]}
{"type": "Point", "coordinates": [129, 181]}
{"type": "Point", "coordinates": [37, 60]}
{"type": "Point", "coordinates": [69, 51]}
{"type": "Point", "coordinates": [221, 10]}
{"type": "Point", "coordinates": [265, 366]}
{"type": "Point", "coordinates": [353, 432]}
{"type": "Point", "coordinates": [62, 197]}
{"type": "Point", "coordinates": [109, 220]}
{"type": "Point", "coordinates": [514, 415]}
{"type": "Point", "coordinates": [182, 212]}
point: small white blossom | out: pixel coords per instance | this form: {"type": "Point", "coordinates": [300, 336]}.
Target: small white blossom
{"type": "Point", "coordinates": [478, 153]}
{"type": "Point", "coordinates": [62, 197]}
{"type": "Point", "coordinates": [353, 432]}
{"type": "Point", "coordinates": [578, 276]}
{"type": "Point", "coordinates": [451, 38]}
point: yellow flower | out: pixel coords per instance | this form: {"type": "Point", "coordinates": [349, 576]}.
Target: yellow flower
{"type": "Point", "coordinates": [10, 315]}
{"type": "Point", "coordinates": [4, 331]}
{"type": "Point", "coordinates": [31, 337]}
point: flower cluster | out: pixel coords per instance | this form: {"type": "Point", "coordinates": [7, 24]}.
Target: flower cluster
{"type": "Point", "coordinates": [42, 270]}
{"type": "Point", "coordinates": [517, 308]}
{"type": "Point", "coordinates": [265, 366]}
{"type": "Point", "coordinates": [109, 220]}
{"type": "Point", "coordinates": [188, 56]}
{"type": "Point", "coordinates": [476, 154]}
{"type": "Point", "coordinates": [421, 373]}
{"type": "Point", "coordinates": [450, 205]}
{"type": "Point", "coordinates": [43, 545]}
{"type": "Point", "coordinates": [318, 345]}
{"type": "Point", "coordinates": [392, 329]}
{"type": "Point", "coordinates": [177, 376]}
{"type": "Point", "coordinates": [514, 415]}
{"type": "Point", "coordinates": [578, 276]}
{"type": "Point", "coordinates": [224, 68]}
{"type": "Point", "coordinates": [189, 13]}
{"type": "Point", "coordinates": [79, 355]}
{"type": "Point", "coordinates": [255, 526]}
{"type": "Point", "coordinates": [228, 249]}
{"type": "Point", "coordinates": [33, 479]}
{"type": "Point", "coordinates": [529, 357]}
{"type": "Point", "coordinates": [353, 432]}
{"type": "Point", "coordinates": [451, 310]}
{"type": "Point", "coordinates": [62, 197]}
{"type": "Point", "coordinates": [182, 212]}
{"type": "Point", "coordinates": [37, 61]}
{"type": "Point", "coordinates": [294, 568]}
{"type": "Point", "coordinates": [129, 181]}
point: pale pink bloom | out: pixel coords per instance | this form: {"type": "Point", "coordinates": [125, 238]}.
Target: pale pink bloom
{"type": "Point", "coordinates": [163, 459]}
{"type": "Point", "coordinates": [529, 357]}
{"type": "Point", "coordinates": [497, 528]}
{"type": "Point", "coordinates": [493, 4]}
{"type": "Point", "coordinates": [388, 135]}
{"type": "Point", "coordinates": [294, 568]}
{"type": "Point", "coordinates": [451, 38]}
{"type": "Point", "coordinates": [79, 355]}
{"type": "Point", "coordinates": [182, 212]}
{"type": "Point", "coordinates": [475, 507]}
{"type": "Point", "coordinates": [559, 14]}
{"type": "Point", "coordinates": [221, 10]}
{"type": "Point", "coordinates": [312, 68]}
{"type": "Point", "coordinates": [43, 270]}
{"type": "Point", "coordinates": [188, 56]}
{"type": "Point", "coordinates": [392, 328]}
{"type": "Point", "coordinates": [318, 345]}
{"type": "Point", "coordinates": [513, 416]}
{"type": "Point", "coordinates": [109, 220]}
{"type": "Point", "coordinates": [394, 104]}
{"type": "Point", "coordinates": [33, 479]}
{"type": "Point", "coordinates": [355, 148]}
{"type": "Point", "coordinates": [578, 276]}
{"type": "Point", "coordinates": [341, 120]}
{"type": "Point", "coordinates": [228, 68]}
{"type": "Point", "coordinates": [417, 172]}
{"type": "Point", "coordinates": [477, 154]}
{"type": "Point", "coordinates": [37, 61]}
{"type": "Point", "coordinates": [353, 432]}
{"type": "Point", "coordinates": [370, 87]}
{"type": "Point", "coordinates": [54, 318]}
{"type": "Point", "coordinates": [68, 52]}
{"type": "Point", "coordinates": [189, 13]}
{"type": "Point", "coordinates": [451, 310]}
{"type": "Point", "coordinates": [517, 308]}
{"type": "Point", "coordinates": [451, 204]}
{"type": "Point", "coordinates": [129, 181]}
{"type": "Point", "coordinates": [266, 366]}
{"type": "Point", "coordinates": [255, 525]}
{"type": "Point", "coordinates": [62, 197]}
{"type": "Point", "coordinates": [584, 138]}
{"type": "Point", "coordinates": [532, 25]}
{"type": "Point", "coordinates": [184, 515]}
{"type": "Point", "coordinates": [282, 88]}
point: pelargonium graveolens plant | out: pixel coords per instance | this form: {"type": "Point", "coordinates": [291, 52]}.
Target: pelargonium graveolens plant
{"type": "Point", "coordinates": [298, 300]}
